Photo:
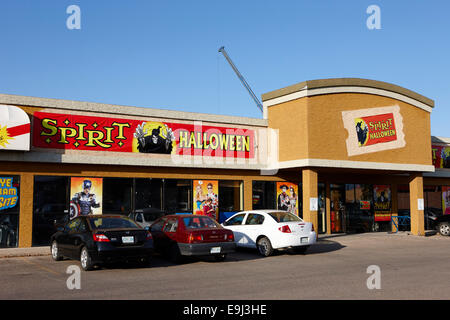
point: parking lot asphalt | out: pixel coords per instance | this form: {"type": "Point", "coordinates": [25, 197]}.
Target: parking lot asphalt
{"type": "Point", "coordinates": [336, 267]}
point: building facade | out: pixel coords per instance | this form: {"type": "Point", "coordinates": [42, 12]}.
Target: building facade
{"type": "Point", "coordinates": [345, 154]}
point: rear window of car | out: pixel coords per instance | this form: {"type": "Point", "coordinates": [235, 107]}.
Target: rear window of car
{"type": "Point", "coordinates": [199, 222]}
{"type": "Point", "coordinates": [112, 223]}
{"type": "Point", "coordinates": [283, 216]}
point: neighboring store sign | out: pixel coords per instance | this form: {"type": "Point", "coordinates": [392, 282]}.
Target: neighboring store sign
{"type": "Point", "coordinates": [287, 197]}
{"type": "Point", "coordinates": [382, 202]}
{"type": "Point", "coordinates": [62, 131]}
{"type": "Point", "coordinates": [373, 130]}
{"type": "Point", "coordinates": [14, 129]}
{"type": "Point", "coordinates": [206, 198]}
{"type": "Point", "coordinates": [86, 196]}
{"type": "Point", "coordinates": [441, 156]}
{"type": "Point", "coordinates": [446, 200]}
{"type": "Point", "coordinates": [8, 193]}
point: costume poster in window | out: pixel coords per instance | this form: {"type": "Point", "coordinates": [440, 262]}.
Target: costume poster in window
{"type": "Point", "coordinates": [86, 196]}
{"type": "Point", "coordinates": [382, 202]}
{"type": "Point", "coordinates": [287, 197]}
{"type": "Point", "coordinates": [446, 200]}
{"type": "Point", "coordinates": [206, 198]}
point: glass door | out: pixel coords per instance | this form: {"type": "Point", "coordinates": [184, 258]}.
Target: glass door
{"type": "Point", "coordinates": [338, 221]}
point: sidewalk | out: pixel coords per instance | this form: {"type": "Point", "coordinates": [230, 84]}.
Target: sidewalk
{"type": "Point", "coordinates": [24, 252]}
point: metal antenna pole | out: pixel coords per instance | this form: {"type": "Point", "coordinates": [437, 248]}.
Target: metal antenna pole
{"type": "Point", "coordinates": [259, 104]}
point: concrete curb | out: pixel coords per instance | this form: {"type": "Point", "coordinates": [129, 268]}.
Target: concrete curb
{"type": "Point", "coordinates": [24, 252]}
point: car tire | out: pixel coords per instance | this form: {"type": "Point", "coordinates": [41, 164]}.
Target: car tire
{"type": "Point", "coordinates": [85, 260]}
{"type": "Point", "coordinates": [220, 257]}
{"type": "Point", "coordinates": [444, 229]}
{"type": "Point", "coordinates": [301, 249]}
{"type": "Point", "coordinates": [54, 250]}
{"type": "Point", "coordinates": [174, 254]}
{"type": "Point", "coordinates": [264, 247]}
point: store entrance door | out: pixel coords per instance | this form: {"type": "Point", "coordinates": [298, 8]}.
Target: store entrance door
{"type": "Point", "coordinates": [337, 197]}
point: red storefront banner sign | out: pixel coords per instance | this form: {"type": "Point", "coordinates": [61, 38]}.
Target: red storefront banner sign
{"type": "Point", "coordinates": [79, 132]}
{"type": "Point", "coordinates": [375, 129]}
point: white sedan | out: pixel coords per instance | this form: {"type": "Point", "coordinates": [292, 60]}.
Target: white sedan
{"type": "Point", "coordinates": [268, 230]}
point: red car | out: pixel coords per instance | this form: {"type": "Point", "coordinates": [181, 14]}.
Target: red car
{"type": "Point", "coordinates": [181, 235]}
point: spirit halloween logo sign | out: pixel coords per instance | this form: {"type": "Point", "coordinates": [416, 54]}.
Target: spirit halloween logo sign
{"type": "Point", "coordinates": [8, 193]}
{"type": "Point", "coordinates": [375, 129]}
{"type": "Point", "coordinates": [78, 132]}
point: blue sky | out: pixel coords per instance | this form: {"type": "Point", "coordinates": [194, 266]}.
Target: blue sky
{"type": "Point", "coordinates": [164, 54]}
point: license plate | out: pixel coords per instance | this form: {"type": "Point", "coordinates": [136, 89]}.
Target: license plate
{"type": "Point", "coordinates": [215, 250]}
{"type": "Point", "coordinates": [127, 239]}
{"type": "Point", "coordinates": [304, 240]}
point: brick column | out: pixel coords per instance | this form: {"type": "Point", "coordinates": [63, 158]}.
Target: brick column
{"type": "Point", "coordinates": [310, 191]}
{"type": "Point", "coordinates": [328, 206]}
{"type": "Point", "coordinates": [26, 210]}
{"type": "Point", "coordinates": [416, 195]}
{"type": "Point", "coordinates": [248, 195]}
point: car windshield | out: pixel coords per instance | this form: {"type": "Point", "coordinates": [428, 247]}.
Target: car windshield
{"type": "Point", "coordinates": [112, 223]}
{"type": "Point", "coordinates": [199, 222]}
{"type": "Point", "coordinates": [283, 216]}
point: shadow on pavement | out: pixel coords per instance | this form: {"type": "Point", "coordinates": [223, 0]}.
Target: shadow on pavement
{"type": "Point", "coordinates": [241, 254]}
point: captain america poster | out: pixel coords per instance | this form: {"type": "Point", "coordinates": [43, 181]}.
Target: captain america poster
{"type": "Point", "coordinates": [85, 196]}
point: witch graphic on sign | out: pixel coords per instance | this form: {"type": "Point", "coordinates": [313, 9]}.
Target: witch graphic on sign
{"type": "Point", "coordinates": [158, 140]}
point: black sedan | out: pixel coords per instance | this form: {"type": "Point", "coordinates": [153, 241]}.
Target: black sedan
{"type": "Point", "coordinates": [443, 224]}
{"type": "Point", "coordinates": [96, 239]}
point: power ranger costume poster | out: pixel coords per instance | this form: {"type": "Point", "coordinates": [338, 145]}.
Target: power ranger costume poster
{"type": "Point", "coordinates": [287, 197]}
{"type": "Point", "coordinates": [382, 202]}
{"type": "Point", "coordinates": [85, 196]}
{"type": "Point", "coordinates": [77, 132]}
{"type": "Point", "coordinates": [206, 198]}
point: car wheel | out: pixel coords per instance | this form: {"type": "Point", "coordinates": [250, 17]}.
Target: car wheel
{"type": "Point", "coordinates": [220, 257]}
{"type": "Point", "coordinates": [264, 247]}
{"type": "Point", "coordinates": [174, 254]}
{"type": "Point", "coordinates": [85, 260]}
{"type": "Point", "coordinates": [54, 249]}
{"type": "Point", "coordinates": [301, 249]}
{"type": "Point", "coordinates": [444, 228]}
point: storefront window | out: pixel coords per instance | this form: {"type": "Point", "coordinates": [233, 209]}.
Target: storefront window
{"type": "Point", "coordinates": [177, 196]}
{"type": "Point", "coordinates": [117, 195]}
{"type": "Point", "coordinates": [9, 211]}
{"type": "Point", "coordinates": [435, 204]}
{"type": "Point", "coordinates": [50, 204]}
{"type": "Point", "coordinates": [359, 208]}
{"type": "Point", "coordinates": [229, 198]}
{"type": "Point", "coordinates": [264, 195]}
{"type": "Point", "coordinates": [148, 193]}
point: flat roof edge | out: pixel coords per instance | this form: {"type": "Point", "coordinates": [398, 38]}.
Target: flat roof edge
{"type": "Point", "coordinates": [126, 110]}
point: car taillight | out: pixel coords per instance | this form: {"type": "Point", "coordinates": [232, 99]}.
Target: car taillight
{"type": "Point", "coordinates": [148, 236]}
{"type": "Point", "coordinates": [312, 227]}
{"type": "Point", "coordinates": [195, 237]}
{"type": "Point", "coordinates": [285, 229]}
{"type": "Point", "coordinates": [100, 238]}
{"type": "Point", "coordinates": [229, 237]}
